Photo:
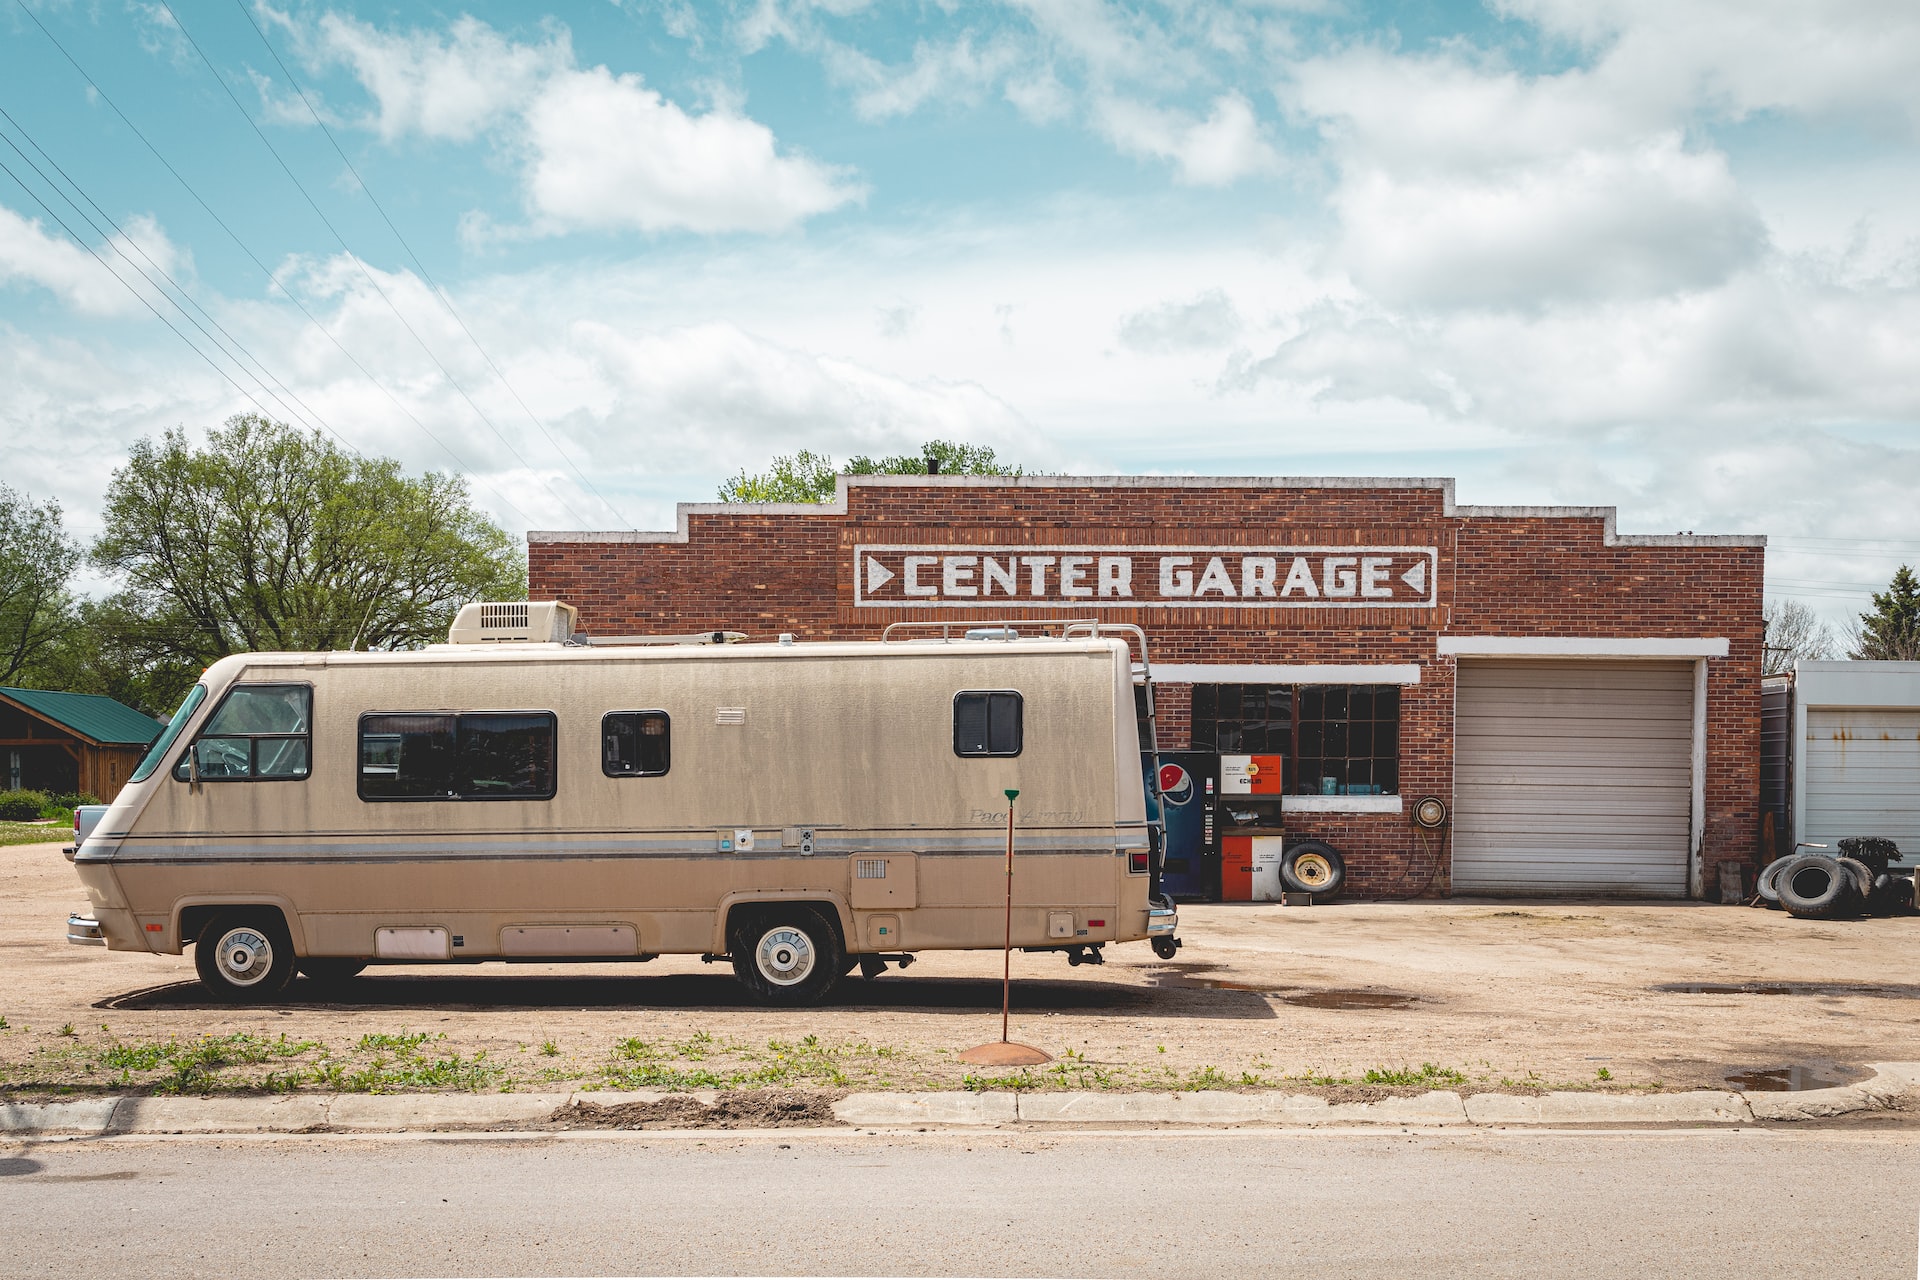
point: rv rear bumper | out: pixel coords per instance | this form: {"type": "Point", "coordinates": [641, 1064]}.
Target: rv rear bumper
{"type": "Point", "coordinates": [1162, 920]}
{"type": "Point", "coordinates": [84, 931]}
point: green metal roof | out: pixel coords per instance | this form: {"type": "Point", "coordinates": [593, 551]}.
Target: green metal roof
{"type": "Point", "coordinates": [88, 714]}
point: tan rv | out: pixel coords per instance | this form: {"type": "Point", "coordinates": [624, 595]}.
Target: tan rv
{"type": "Point", "coordinates": [803, 809]}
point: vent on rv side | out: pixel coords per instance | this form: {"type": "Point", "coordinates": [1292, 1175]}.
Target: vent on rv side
{"type": "Point", "coordinates": [520, 621]}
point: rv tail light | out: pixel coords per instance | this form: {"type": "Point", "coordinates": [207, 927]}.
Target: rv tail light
{"type": "Point", "coordinates": [1138, 864]}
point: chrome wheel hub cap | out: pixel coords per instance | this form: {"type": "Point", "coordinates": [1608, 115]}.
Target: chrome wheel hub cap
{"type": "Point", "coordinates": [245, 957]}
{"type": "Point", "coordinates": [785, 956]}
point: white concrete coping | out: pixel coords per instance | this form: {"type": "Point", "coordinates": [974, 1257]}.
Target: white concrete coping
{"type": "Point", "coordinates": [1701, 1106]}
{"type": "Point", "coordinates": [392, 1111]}
{"type": "Point", "coordinates": [890, 1110]}
{"type": "Point", "coordinates": [287, 1113]}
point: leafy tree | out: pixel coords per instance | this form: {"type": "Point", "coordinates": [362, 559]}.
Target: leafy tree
{"type": "Point", "coordinates": [273, 539]}
{"type": "Point", "coordinates": [1795, 633]}
{"type": "Point", "coordinates": [810, 477]}
{"type": "Point", "coordinates": [1891, 633]}
{"type": "Point", "coordinates": [37, 559]}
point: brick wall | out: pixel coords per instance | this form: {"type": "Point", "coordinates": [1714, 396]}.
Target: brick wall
{"type": "Point", "coordinates": [1510, 573]}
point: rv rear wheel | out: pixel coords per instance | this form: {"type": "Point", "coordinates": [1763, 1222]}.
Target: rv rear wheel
{"type": "Point", "coordinates": [790, 956]}
{"type": "Point", "coordinates": [244, 957]}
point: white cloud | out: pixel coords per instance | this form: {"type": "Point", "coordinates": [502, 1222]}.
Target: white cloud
{"type": "Point", "coordinates": [609, 152]}
{"type": "Point", "coordinates": [941, 71]}
{"type": "Point", "coordinates": [33, 254]}
{"type": "Point", "coordinates": [1208, 322]}
{"type": "Point", "coordinates": [597, 150]}
{"type": "Point", "coordinates": [1214, 152]}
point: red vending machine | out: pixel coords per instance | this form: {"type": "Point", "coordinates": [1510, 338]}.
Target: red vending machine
{"type": "Point", "coordinates": [1250, 826]}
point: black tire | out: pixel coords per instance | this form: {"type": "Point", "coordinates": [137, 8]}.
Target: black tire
{"type": "Point", "coordinates": [1862, 880]}
{"type": "Point", "coordinates": [1814, 886]}
{"type": "Point", "coordinates": [245, 956]}
{"type": "Point", "coordinates": [1892, 895]}
{"type": "Point", "coordinates": [1166, 948]}
{"type": "Point", "coordinates": [1766, 887]}
{"type": "Point", "coordinates": [786, 955]}
{"type": "Point", "coordinates": [331, 969]}
{"type": "Point", "coordinates": [1313, 867]}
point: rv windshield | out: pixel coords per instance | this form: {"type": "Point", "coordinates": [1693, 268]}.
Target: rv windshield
{"type": "Point", "coordinates": [161, 744]}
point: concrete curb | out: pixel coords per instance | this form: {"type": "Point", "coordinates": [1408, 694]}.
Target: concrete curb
{"type": "Point", "coordinates": [1894, 1084]}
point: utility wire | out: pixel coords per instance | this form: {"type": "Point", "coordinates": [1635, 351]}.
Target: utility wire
{"type": "Point", "coordinates": [432, 284]}
{"type": "Point", "coordinates": [308, 419]}
{"type": "Point", "coordinates": [128, 285]}
{"type": "Point", "coordinates": [355, 258]}
{"type": "Point", "coordinates": [460, 463]}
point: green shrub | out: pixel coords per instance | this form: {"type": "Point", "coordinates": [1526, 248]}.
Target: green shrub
{"type": "Point", "coordinates": [71, 800]}
{"type": "Point", "coordinates": [21, 806]}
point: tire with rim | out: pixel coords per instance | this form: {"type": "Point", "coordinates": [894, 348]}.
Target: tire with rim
{"type": "Point", "coordinates": [1766, 885]}
{"type": "Point", "coordinates": [331, 969]}
{"type": "Point", "coordinates": [1814, 886]}
{"type": "Point", "coordinates": [245, 957]}
{"type": "Point", "coordinates": [1313, 867]}
{"type": "Point", "coordinates": [786, 956]}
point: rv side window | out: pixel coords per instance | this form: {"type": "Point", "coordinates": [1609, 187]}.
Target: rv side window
{"type": "Point", "coordinates": [635, 744]}
{"type": "Point", "coordinates": [259, 732]}
{"type": "Point", "coordinates": [472, 755]}
{"type": "Point", "coordinates": [986, 723]}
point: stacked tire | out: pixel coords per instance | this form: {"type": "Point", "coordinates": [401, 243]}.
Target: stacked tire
{"type": "Point", "coordinates": [1827, 886]}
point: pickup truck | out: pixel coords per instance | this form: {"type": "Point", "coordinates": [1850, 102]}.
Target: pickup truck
{"type": "Point", "coordinates": [85, 818]}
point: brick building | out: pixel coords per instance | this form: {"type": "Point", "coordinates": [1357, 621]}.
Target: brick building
{"type": "Point", "coordinates": [1586, 703]}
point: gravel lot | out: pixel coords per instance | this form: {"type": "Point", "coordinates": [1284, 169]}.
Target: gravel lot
{"type": "Point", "coordinates": [1356, 998]}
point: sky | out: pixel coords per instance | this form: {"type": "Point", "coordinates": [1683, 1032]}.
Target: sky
{"type": "Point", "coordinates": [597, 258]}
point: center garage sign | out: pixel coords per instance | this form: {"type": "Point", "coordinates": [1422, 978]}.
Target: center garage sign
{"type": "Point", "coordinates": [1169, 577]}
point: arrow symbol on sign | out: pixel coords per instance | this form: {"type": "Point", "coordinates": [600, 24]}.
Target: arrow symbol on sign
{"type": "Point", "coordinates": [1415, 577]}
{"type": "Point", "coordinates": [878, 575]}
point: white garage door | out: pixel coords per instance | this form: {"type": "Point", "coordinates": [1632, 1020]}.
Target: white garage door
{"type": "Point", "coordinates": [1572, 777]}
{"type": "Point", "coordinates": [1863, 775]}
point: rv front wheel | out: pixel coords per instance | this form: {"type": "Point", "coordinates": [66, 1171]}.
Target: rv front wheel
{"type": "Point", "coordinates": [790, 957]}
{"type": "Point", "coordinates": [244, 957]}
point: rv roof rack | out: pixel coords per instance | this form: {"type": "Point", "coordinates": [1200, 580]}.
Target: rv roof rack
{"type": "Point", "coordinates": [973, 629]}
{"type": "Point", "coordinates": [697, 637]}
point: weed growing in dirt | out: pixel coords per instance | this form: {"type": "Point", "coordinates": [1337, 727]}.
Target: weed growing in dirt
{"type": "Point", "coordinates": [549, 1049]}
{"type": "Point", "coordinates": [193, 1066]}
{"type": "Point", "coordinates": [451, 1072]}
{"type": "Point", "coordinates": [1429, 1075]}
{"type": "Point", "coordinates": [405, 1042]}
{"type": "Point", "coordinates": [66, 1030]}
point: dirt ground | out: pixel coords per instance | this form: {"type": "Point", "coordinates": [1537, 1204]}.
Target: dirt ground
{"type": "Point", "coordinates": [1351, 998]}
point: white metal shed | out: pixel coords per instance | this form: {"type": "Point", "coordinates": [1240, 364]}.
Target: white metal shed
{"type": "Point", "coordinates": [1856, 769]}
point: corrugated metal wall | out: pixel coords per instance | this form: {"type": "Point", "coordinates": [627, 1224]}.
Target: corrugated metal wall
{"type": "Point", "coordinates": [1573, 777]}
{"type": "Point", "coordinates": [1863, 775]}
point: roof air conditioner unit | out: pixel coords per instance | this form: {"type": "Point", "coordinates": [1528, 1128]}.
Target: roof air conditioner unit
{"type": "Point", "coordinates": [520, 622]}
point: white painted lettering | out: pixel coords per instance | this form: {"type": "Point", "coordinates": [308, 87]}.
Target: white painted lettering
{"type": "Point", "coordinates": [1073, 575]}
{"type": "Point", "coordinates": [1256, 575]}
{"type": "Point", "coordinates": [911, 567]}
{"type": "Point", "coordinates": [1037, 566]}
{"type": "Point", "coordinates": [1215, 579]}
{"type": "Point", "coordinates": [992, 571]}
{"type": "Point", "coordinates": [955, 573]}
{"type": "Point", "coordinates": [1337, 576]}
{"type": "Point", "coordinates": [1116, 575]}
{"type": "Point", "coordinates": [1176, 579]}
{"type": "Point", "coordinates": [1373, 577]}
{"type": "Point", "coordinates": [1300, 578]}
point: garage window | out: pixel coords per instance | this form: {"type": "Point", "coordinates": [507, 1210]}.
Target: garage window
{"type": "Point", "coordinates": [987, 723]}
{"type": "Point", "coordinates": [471, 755]}
{"type": "Point", "coordinates": [1333, 739]}
{"type": "Point", "coordinates": [258, 733]}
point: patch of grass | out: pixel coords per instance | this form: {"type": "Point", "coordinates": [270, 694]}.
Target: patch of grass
{"type": "Point", "coordinates": [66, 1029]}
{"type": "Point", "coordinates": [1603, 1074]}
{"type": "Point", "coordinates": [409, 1072]}
{"type": "Point", "coordinates": [36, 833]}
{"type": "Point", "coordinates": [549, 1049]}
{"type": "Point", "coordinates": [1205, 1078]}
{"type": "Point", "coordinates": [1429, 1075]}
{"type": "Point", "coordinates": [404, 1043]}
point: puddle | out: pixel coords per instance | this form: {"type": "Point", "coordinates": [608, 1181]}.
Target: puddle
{"type": "Point", "coordinates": [1792, 1079]}
{"type": "Point", "coordinates": [1350, 999]}
{"type": "Point", "coordinates": [1883, 990]}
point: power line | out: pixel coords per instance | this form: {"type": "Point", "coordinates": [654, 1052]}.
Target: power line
{"type": "Point", "coordinates": [231, 343]}
{"type": "Point", "coordinates": [432, 285]}
{"type": "Point", "coordinates": [460, 463]}
{"type": "Point", "coordinates": [355, 259]}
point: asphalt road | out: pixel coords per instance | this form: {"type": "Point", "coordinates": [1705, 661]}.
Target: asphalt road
{"type": "Point", "coordinates": [1751, 1204]}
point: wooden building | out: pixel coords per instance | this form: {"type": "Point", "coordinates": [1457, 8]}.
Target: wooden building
{"type": "Point", "coordinates": [69, 742]}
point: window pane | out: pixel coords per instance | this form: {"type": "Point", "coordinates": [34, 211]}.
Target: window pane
{"type": "Point", "coordinates": [970, 724]}
{"type": "Point", "coordinates": [263, 708]}
{"type": "Point", "coordinates": [505, 755]}
{"type": "Point", "coordinates": [1003, 731]}
{"type": "Point", "coordinates": [406, 757]}
{"type": "Point", "coordinates": [1203, 702]}
{"type": "Point", "coordinates": [163, 742]}
{"type": "Point", "coordinates": [280, 757]}
{"type": "Point", "coordinates": [635, 744]}
{"type": "Point", "coordinates": [1360, 739]}
{"type": "Point", "coordinates": [223, 757]}
{"type": "Point", "coordinates": [1360, 702]}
